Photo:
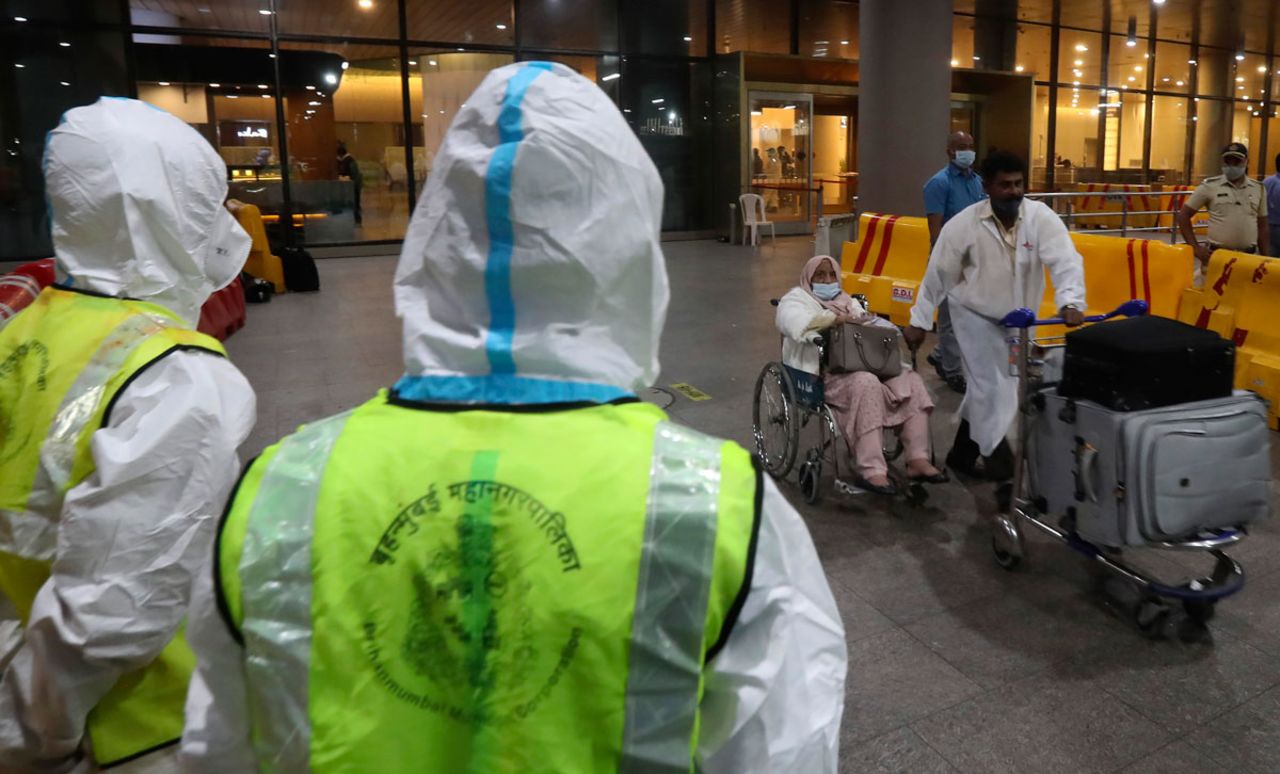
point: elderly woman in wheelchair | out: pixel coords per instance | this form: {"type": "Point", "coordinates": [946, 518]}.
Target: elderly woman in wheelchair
{"type": "Point", "coordinates": [861, 404]}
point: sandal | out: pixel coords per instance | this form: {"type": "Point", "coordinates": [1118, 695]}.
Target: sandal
{"type": "Point", "coordinates": [885, 489]}
{"type": "Point", "coordinates": [940, 477]}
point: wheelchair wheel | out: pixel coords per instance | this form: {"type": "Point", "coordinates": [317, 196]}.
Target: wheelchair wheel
{"type": "Point", "coordinates": [811, 481]}
{"type": "Point", "coordinates": [776, 420]}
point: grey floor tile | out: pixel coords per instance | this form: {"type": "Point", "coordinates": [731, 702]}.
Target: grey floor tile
{"type": "Point", "coordinates": [860, 619]}
{"type": "Point", "coordinates": [893, 680]}
{"type": "Point", "coordinates": [1247, 739]}
{"type": "Point", "coordinates": [1177, 758]}
{"type": "Point", "coordinates": [1041, 724]}
{"type": "Point", "coordinates": [1179, 686]}
{"type": "Point", "coordinates": [901, 751]}
{"type": "Point", "coordinates": [1253, 615]}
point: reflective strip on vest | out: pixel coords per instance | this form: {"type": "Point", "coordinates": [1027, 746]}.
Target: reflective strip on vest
{"type": "Point", "coordinates": [667, 633]}
{"type": "Point", "coordinates": [33, 535]}
{"type": "Point", "coordinates": [275, 567]}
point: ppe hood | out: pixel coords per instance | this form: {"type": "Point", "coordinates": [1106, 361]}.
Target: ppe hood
{"type": "Point", "coordinates": [136, 198]}
{"type": "Point", "coordinates": [532, 270]}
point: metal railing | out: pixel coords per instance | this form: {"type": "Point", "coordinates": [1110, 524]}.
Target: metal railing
{"type": "Point", "coordinates": [1070, 216]}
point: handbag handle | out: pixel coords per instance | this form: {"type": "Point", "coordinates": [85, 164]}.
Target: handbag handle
{"type": "Point", "coordinates": [857, 342]}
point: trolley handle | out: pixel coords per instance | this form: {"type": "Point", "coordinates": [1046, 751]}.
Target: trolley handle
{"type": "Point", "coordinates": [1025, 318]}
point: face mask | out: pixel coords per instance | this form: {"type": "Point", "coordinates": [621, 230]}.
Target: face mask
{"type": "Point", "coordinates": [1233, 173]}
{"type": "Point", "coordinates": [826, 290]}
{"type": "Point", "coordinates": [964, 158]}
{"type": "Point", "coordinates": [1006, 208]}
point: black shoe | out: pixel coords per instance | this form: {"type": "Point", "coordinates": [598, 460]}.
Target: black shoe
{"type": "Point", "coordinates": [962, 464]}
{"type": "Point", "coordinates": [1004, 496]}
{"type": "Point", "coordinates": [886, 489]}
{"type": "Point", "coordinates": [957, 383]}
{"type": "Point", "coordinates": [936, 478]}
{"type": "Point", "coordinates": [934, 360]}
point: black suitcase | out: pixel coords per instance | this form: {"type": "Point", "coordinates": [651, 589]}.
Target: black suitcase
{"type": "Point", "coordinates": [300, 275]}
{"type": "Point", "coordinates": [1146, 362]}
{"type": "Point", "coordinates": [256, 291]}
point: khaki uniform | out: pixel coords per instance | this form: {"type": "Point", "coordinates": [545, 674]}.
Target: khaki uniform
{"type": "Point", "coordinates": [1233, 211]}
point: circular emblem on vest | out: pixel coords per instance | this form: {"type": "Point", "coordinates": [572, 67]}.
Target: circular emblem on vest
{"type": "Point", "coordinates": [463, 635]}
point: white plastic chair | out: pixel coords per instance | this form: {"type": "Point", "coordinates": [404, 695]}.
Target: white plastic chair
{"type": "Point", "coordinates": [753, 217]}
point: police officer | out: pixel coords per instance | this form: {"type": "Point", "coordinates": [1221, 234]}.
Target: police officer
{"type": "Point", "coordinates": [1237, 208]}
{"type": "Point", "coordinates": [507, 562]}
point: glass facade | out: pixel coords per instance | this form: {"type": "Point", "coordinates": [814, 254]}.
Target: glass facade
{"type": "Point", "coordinates": [329, 112]}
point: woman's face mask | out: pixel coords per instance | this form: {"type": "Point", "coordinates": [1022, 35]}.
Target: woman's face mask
{"type": "Point", "coordinates": [826, 290]}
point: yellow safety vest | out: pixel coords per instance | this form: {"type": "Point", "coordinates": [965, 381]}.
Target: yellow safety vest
{"type": "Point", "coordinates": [63, 360]}
{"type": "Point", "coordinates": [486, 591]}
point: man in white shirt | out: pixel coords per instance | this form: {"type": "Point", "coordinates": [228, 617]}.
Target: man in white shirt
{"type": "Point", "coordinates": [989, 260]}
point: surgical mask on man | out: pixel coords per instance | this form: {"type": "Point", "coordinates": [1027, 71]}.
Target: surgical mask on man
{"type": "Point", "coordinates": [1006, 208]}
{"type": "Point", "coordinates": [826, 290]}
{"type": "Point", "coordinates": [964, 158]}
{"type": "Point", "coordinates": [1232, 172]}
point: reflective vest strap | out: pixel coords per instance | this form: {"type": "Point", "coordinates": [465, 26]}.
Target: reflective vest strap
{"type": "Point", "coordinates": [664, 672]}
{"type": "Point", "coordinates": [275, 572]}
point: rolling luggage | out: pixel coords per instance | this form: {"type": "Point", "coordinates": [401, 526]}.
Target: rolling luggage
{"type": "Point", "coordinates": [1131, 478]}
{"type": "Point", "coordinates": [300, 275]}
{"type": "Point", "coordinates": [1146, 362]}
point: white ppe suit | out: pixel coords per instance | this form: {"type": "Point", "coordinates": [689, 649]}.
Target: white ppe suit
{"type": "Point", "coordinates": [560, 297]}
{"type": "Point", "coordinates": [971, 267]}
{"type": "Point", "coordinates": [136, 198]}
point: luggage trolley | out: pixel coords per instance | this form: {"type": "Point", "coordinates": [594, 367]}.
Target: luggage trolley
{"type": "Point", "coordinates": [1152, 609]}
{"type": "Point", "coordinates": [786, 401]}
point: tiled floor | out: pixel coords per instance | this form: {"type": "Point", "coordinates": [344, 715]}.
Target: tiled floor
{"type": "Point", "coordinates": [955, 665]}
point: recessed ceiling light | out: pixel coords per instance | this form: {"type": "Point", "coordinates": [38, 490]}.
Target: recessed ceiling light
{"type": "Point", "coordinates": [1262, 68]}
{"type": "Point", "coordinates": [64, 44]}
{"type": "Point", "coordinates": [233, 96]}
{"type": "Point", "coordinates": [659, 100]}
{"type": "Point", "coordinates": [264, 11]}
{"type": "Point", "coordinates": [432, 62]}
{"type": "Point", "coordinates": [215, 85]}
{"type": "Point", "coordinates": [345, 65]}
{"type": "Point", "coordinates": [330, 78]}
{"type": "Point", "coordinates": [1239, 79]}
{"type": "Point", "coordinates": [1191, 62]}
{"type": "Point", "coordinates": [501, 26]}
{"type": "Point", "coordinates": [1081, 47]}
{"type": "Point", "coordinates": [263, 86]}
{"type": "Point", "coordinates": [844, 42]}
{"type": "Point", "coordinates": [1018, 68]}
{"type": "Point", "coordinates": [977, 58]}
{"type": "Point", "coordinates": [1179, 83]}
{"type": "Point", "coordinates": [413, 62]}
{"type": "Point", "coordinates": [64, 83]}
{"type": "Point", "coordinates": [365, 4]}
{"type": "Point", "coordinates": [688, 39]}
{"type": "Point", "coordinates": [272, 56]}
{"type": "Point", "coordinates": [954, 63]}
{"type": "Point", "coordinates": [612, 77]}
{"type": "Point", "coordinates": [164, 83]}
{"type": "Point", "coordinates": [19, 19]}
{"type": "Point", "coordinates": [311, 88]}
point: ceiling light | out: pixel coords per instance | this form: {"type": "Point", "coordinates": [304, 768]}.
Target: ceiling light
{"type": "Point", "coordinates": [844, 42]}
{"type": "Point", "coordinates": [1191, 62]}
{"type": "Point", "coordinates": [1195, 118]}
{"type": "Point", "coordinates": [311, 88]}
{"type": "Point", "coordinates": [441, 112]}
{"type": "Point", "coordinates": [1132, 79]}
{"type": "Point", "coordinates": [1179, 83]}
{"type": "Point", "coordinates": [1157, 2]}
{"type": "Point", "coordinates": [1239, 79]}
{"type": "Point", "coordinates": [264, 11]}
{"type": "Point", "coordinates": [1081, 47]}
{"type": "Point", "coordinates": [461, 49]}
{"type": "Point", "coordinates": [1075, 83]}
{"type": "Point", "coordinates": [64, 83]}
{"type": "Point", "coordinates": [215, 85]}
{"type": "Point", "coordinates": [688, 39]}
{"type": "Point", "coordinates": [1239, 56]}
{"type": "Point", "coordinates": [164, 83]}
{"type": "Point", "coordinates": [977, 58]}
{"type": "Point", "coordinates": [1262, 68]}
{"type": "Point", "coordinates": [346, 64]}
{"type": "Point", "coordinates": [612, 77]}
{"type": "Point", "coordinates": [413, 62]}
{"type": "Point", "coordinates": [365, 4]}
{"type": "Point", "coordinates": [263, 86]}
{"type": "Point", "coordinates": [659, 100]}
{"type": "Point", "coordinates": [1132, 39]}
{"type": "Point", "coordinates": [431, 62]}
{"type": "Point", "coordinates": [955, 63]}
{"type": "Point", "coordinates": [1131, 42]}
{"type": "Point", "coordinates": [1137, 68]}
{"type": "Point", "coordinates": [501, 26]}
{"type": "Point", "coordinates": [1018, 68]}
{"type": "Point", "coordinates": [1078, 62]}
{"type": "Point", "coordinates": [64, 44]}
{"type": "Point", "coordinates": [788, 107]}
{"type": "Point", "coordinates": [266, 96]}
{"type": "Point", "coordinates": [233, 96]}
{"type": "Point", "coordinates": [313, 103]}
{"type": "Point", "coordinates": [271, 56]}
{"type": "Point", "coordinates": [330, 78]}
{"type": "Point", "coordinates": [19, 19]}
{"type": "Point", "coordinates": [1239, 88]}
{"type": "Point", "coordinates": [1078, 73]}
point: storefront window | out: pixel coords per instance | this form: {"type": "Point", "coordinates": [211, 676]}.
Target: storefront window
{"type": "Point", "coordinates": [1172, 68]}
{"type": "Point", "coordinates": [1034, 48]}
{"type": "Point", "coordinates": [1077, 137]}
{"type": "Point", "coordinates": [477, 22]}
{"type": "Point", "coordinates": [1127, 66]}
{"type": "Point", "coordinates": [1079, 58]}
{"type": "Point", "coordinates": [829, 29]}
{"type": "Point", "coordinates": [1169, 140]}
{"type": "Point", "coordinates": [758, 26]}
{"type": "Point", "coordinates": [962, 51]}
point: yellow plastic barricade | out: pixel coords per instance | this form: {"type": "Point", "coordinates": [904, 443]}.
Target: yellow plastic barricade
{"type": "Point", "coordinates": [261, 263]}
{"type": "Point", "coordinates": [887, 263]}
{"type": "Point", "coordinates": [1241, 301]}
{"type": "Point", "coordinates": [1140, 199]}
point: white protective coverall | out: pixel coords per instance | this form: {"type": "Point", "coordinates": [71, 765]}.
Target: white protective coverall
{"type": "Point", "coordinates": [581, 282]}
{"type": "Point", "coordinates": [984, 279]}
{"type": "Point", "coordinates": [136, 198]}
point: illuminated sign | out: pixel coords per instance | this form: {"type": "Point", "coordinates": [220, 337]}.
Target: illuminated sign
{"type": "Point", "coordinates": [250, 132]}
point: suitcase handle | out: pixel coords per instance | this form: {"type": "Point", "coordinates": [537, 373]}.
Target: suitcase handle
{"type": "Point", "coordinates": [1025, 318]}
{"type": "Point", "coordinates": [1088, 461]}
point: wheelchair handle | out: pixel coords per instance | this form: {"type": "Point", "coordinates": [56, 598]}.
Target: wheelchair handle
{"type": "Point", "coordinates": [1025, 318]}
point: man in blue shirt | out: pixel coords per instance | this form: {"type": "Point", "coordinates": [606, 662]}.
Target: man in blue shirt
{"type": "Point", "coordinates": [954, 188]}
{"type": "Point", "coordinates": [1273, 208]}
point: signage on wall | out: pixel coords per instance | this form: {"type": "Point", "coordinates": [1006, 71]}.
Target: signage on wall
{"type": "Point", "coordinates": [251, 132]}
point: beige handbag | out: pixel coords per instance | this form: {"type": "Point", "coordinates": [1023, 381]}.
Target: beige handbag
{"type": "Point", "coordinates": [873, 348]}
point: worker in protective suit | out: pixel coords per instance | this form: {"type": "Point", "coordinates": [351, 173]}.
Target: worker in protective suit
{"type": "Point", "coordinates": [118, 433]}
{"type": "Point", "coordinates": [507, 562]}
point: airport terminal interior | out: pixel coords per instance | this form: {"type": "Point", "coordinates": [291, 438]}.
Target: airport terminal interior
{"type": "Point", "coordinates": [824, 118]}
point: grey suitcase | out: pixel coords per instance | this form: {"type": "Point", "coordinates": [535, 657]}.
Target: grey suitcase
{"type": "Point", "coordinates": [1160, 475]}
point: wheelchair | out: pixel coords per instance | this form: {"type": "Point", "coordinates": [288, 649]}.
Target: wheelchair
{"type": "Point", "coordinates": [787, 402]}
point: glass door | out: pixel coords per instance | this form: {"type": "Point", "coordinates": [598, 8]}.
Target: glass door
{"type": "Point", "coordinates": [780, 156]}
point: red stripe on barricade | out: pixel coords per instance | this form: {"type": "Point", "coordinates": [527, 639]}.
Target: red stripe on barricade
{"type": "Point", "coordinates": [1239, 337]}
{"type": "Point", "coordinates": [1203, 320]}
{"type": "Point", "coordinates": [1133, 274]}
{"type": "Point", "coordinates": [1084, 204]}
{"type": "Point", "coordinates": [1146, 273]}
{"type": "Point", "coordinates": [884, 246]}
{"type": "Point", "coordinates": [866, 244]}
